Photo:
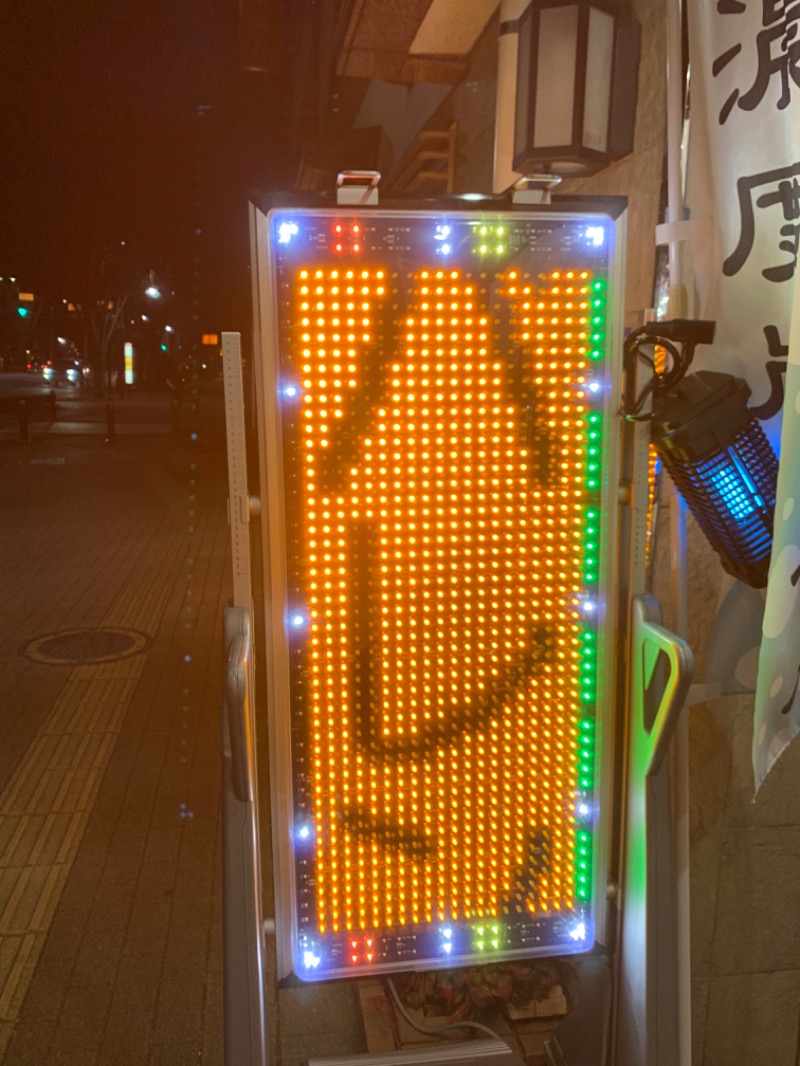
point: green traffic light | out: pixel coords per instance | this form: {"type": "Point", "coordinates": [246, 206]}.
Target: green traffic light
{"type": "Point", "coordinates": [22, 312]}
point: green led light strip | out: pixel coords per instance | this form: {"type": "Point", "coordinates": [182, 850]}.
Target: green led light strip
{"type": "Point", "coordinates": [585, 753]}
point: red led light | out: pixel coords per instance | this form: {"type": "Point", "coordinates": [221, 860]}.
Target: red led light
{"type": "Point", "coordinates": [356, 247]}
{"type": "Point", "coordinates": [337, 247]}
{"type": "Point", "coordinates": [337, 227]}
{"type": "Point", "coordinates": [356, 228]}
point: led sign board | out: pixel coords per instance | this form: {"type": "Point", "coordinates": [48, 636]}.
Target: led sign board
{"type": "Point", "coordinates": [437, 390]}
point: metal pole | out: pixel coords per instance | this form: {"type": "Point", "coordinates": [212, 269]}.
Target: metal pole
{"type": "Point", "coordinates": [678, 592]}
{"type": "Point", "coordinates": [506, 107]}
{"type": "Point", "coordinates": [245, 1010]}
{"type": "Point", "coordinates": [244, 963]}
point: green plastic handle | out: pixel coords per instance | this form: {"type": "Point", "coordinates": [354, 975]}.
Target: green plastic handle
{"type": "Point", "coordinates": [648, 640]}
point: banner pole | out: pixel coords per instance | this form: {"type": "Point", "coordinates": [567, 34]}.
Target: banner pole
{"type": "Point", "coordinates": [677, 308]}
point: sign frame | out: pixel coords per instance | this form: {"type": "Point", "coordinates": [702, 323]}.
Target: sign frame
{"type": "Point", "coordinates": [278, 695]}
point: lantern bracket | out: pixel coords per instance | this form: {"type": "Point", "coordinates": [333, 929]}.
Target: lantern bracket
{"type": "Point", "coordinates": [534, 188]}
{"type": "Point", "coordinates": [359, 187]}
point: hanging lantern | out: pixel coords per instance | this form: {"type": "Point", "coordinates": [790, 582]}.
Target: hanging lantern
{"type": "Point", "coordinates": [577, 71]}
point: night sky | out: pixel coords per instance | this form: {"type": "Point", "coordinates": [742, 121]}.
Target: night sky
{"type": "Point", "coordinates": [102, 141]}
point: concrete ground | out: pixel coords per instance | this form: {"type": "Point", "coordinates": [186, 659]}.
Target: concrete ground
{"type": "Point", "coordinates": [110, 880]}
{"type": "Point", "coordinates": [110, 888]}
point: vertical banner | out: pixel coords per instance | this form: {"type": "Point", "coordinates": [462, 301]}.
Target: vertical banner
{"type": "Point", "coordinates": [744, 174]}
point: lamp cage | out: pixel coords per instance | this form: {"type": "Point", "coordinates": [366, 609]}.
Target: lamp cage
{"type": "Point", "coordinates": [719, 457]}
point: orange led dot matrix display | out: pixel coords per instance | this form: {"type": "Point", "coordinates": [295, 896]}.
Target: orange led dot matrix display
{"type": "Point", "coordinates": [442, 431]}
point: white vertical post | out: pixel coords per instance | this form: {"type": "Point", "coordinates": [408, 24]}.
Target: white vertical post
{"type": "Point", "coordinates": [244, 956]}
{"type": "Point", "coordinates": [677, 308]}
{"type": "Point", "coordinates": [238, 499]}
{"type": "Point", "coordinates": [506, 104]}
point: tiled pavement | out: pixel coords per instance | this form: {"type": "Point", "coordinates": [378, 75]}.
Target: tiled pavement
{"type": "Point", "coordinates": [110, 891]}
{"type": "Point", "coordinates": [110, 908]}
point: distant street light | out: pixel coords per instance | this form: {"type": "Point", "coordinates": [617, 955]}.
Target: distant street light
{"type": "Point", "coordinates": [152, 292]}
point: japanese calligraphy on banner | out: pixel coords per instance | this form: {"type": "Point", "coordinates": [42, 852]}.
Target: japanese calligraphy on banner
{"type": "Point", "coordinates": [744, 175]}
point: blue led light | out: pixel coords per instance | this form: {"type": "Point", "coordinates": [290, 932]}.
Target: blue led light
{"type": "Point", "coordinates": [595, 235]}
{"type": "Point", "coordinates": [594, 386]}
{"type": "Point", "coordinates": [297, 620]}
{"type": "Point", "coordinates": [290, 391]}
{"type": "Point", "coordinates": [311, 959]}
{"type": "Point", "coordinates": [443, 231]}
{"type": "Point", "coordinates": [578, 932]}
{"type": "Point", "coordinates": [583, 810]}
{"type": "Point", "coordinates": [303, 832]}
{"type": "Point", "coordinates": [735, 488]}
{"type": "Point", "coordinates": [287, 230]}
{"type": "Point", "coordinates": [588, 606]}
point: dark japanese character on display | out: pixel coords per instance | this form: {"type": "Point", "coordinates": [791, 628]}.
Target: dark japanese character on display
{"type": "Point", "coordinates": [785, 193]}
{"type": "Point", "coordinates": [776, 372]}
{"type": "Point", "coordinates": [777, 53]}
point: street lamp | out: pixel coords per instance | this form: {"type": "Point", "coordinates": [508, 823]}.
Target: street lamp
{"type": "Point", "coordinates": [113, 321]}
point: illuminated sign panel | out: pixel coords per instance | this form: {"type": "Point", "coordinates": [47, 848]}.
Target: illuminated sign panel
{"type": "Point", "coordinates": [441, 387]}
{"type": "Point", "coordinates": [128, 362]}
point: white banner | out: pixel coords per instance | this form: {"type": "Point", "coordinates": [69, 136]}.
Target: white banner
{"type": "Point", "coordinates": [744, 174]}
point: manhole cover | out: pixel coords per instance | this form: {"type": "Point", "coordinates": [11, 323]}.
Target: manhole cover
{"type": "Point", "coordinates": [85, 646]}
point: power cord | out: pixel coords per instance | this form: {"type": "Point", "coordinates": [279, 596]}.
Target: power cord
{"type": "Point", "coordinates": [445, 1028]}
{"type": "Point", "coordinates": [633, 352]}
{"type": "Point", "coordinates": [667, 335]}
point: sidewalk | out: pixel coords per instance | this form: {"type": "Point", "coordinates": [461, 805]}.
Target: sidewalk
{"type": "Point", "coordinates": [110, 888]}
{"type": "Point", "coordinates": [79, 412]}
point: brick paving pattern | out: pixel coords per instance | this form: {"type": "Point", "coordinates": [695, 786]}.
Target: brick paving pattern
{"type": "Point", "coordinates": [110, 881]}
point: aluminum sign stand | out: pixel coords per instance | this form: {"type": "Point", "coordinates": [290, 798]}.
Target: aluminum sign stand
{"type": "Point", "coordinates": [648, 1019]}
{"type": "Point", "coordinates": [243, 935]}
{"type": "Point", "coordinates": [657, 670]}
{"type": "Point", "coordinates": [653, 674]}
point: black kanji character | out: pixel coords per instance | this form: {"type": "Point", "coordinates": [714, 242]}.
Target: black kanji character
{"type": "Point", "coordinates": [775, 372]}
{"type": "Point", "coordinates": [777, 53]}
{"type": "Point", "coordinates": [786, 194]}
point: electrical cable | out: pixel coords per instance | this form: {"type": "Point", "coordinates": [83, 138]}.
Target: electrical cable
{"type": "Point", "coordinates": [445, 1028]}
{"type": "Point", "coordinates": [660, 381]}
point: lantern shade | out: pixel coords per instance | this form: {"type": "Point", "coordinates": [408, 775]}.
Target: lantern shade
{"type": "Point", "coordinates": [723, 465]}
{"type": "Point", "coordinates": [576, 88]}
